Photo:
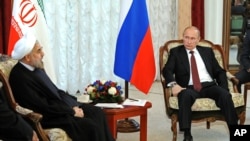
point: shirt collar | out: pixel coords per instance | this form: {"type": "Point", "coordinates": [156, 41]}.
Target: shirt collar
{"type": "Point", "coordinates": [29, 67]}
{"type": "Point", "coordinates": [195, 50]}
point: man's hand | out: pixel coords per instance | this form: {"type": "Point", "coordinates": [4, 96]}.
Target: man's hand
{"type": "Point", "coordinates": [78, 112]}
{"type": "Point", "coordinates": [176, 89]}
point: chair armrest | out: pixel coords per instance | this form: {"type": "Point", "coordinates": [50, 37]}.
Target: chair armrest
{"type": "Point", "coordinates": [234, 81]}
{"type": "Point", "coordinates": [231, 77]}
{"type": "Point", "coordinates": [35, 117]}
{"type": "Point", "coordinates": [167, 94]}
{"type": "Point", "coordinates": [23, 111]}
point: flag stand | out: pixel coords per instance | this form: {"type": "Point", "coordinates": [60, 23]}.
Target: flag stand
{"type": "Point", "coordinates": [127, 125]}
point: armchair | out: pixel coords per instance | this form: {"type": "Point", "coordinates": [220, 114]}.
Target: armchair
{"type": "Point", "coordinates": [204, 109]}
{"type": "Point", "coordinates": [6, 64]}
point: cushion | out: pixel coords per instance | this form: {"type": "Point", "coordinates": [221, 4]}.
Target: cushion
{"type": "Point", "coordinates": [57, 134]}
{"type": "Point", "coordinates": [207, 104]}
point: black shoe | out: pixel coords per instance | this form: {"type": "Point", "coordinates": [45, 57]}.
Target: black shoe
{"type": "Point", "coordinates": [188, 138]}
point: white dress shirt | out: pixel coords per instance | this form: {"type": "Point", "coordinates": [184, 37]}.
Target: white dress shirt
{"type": "Point", "coordinates": [203, 73]}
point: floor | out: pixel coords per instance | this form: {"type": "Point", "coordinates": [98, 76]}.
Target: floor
{"type": "Point", "coordinates": [233, 55]}
{"type": "Point", "coordinates": [159, 123]}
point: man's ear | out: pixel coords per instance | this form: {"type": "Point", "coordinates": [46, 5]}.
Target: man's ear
{"type": "Point", "coordinates": [27, 58]}
{"type": "Point", "coordinates": [199, 38]}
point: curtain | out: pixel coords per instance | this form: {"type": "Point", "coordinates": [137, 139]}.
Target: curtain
{"type": "Point", "coordinates": [83, 36]}
{"type": "Point", "coordinates": [5, 16]}
{"type": "Point", "coordinates": [198, 15]}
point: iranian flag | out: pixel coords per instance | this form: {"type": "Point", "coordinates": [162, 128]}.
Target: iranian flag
{"type": "Point", "coordinates": [28, 15]}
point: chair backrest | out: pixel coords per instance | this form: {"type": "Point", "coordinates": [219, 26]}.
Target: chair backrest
{"type": "Point", "coordinates": [6, 64]}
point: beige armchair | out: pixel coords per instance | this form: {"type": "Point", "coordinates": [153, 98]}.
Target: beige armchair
{"type": "Point", "coordinates": [204, 109]}
{"type": "Point", "coordinates": [54, 134]}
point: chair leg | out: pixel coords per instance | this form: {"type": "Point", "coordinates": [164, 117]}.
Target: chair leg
{"type": "Point", "coordinates": [246, 88]}
{"type": "Point", "coordinates": [208, 125]}
{"type": "Point", "coordinates": [174, 119]}
{"type": "Point", "coordinates": [242, 118]}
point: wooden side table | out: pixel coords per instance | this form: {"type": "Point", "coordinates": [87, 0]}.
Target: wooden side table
{"type": "Point", "coordinates": [129, 111]}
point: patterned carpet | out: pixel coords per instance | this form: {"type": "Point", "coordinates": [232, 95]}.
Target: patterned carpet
{"type": "Point", "coordinates": [159, 124]}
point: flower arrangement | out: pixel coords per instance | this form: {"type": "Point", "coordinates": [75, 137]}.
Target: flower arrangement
{"type": "Point", "coordinates": [104, 92]}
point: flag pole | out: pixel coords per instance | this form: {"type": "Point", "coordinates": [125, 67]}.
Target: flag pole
{"type": "Point", "coordinates": [126, 89]}
{"type": "Point", "coordinates": [127, 125]}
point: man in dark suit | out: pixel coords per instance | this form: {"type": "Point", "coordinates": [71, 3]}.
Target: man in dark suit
{"type": "Point", "coordinates": [178, 76]}
{"type": "Point", "coordinates": [33, 89]}
{"type": "Point", "coordinates": [244, 74]}
{"type": "Point", "coordinates": [12, 126]}
{"type": "Point", "coordinates": [238, 7]}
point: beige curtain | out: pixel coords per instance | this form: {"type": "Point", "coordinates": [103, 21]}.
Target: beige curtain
{"type": "Point", "coordinates": [184, 15]}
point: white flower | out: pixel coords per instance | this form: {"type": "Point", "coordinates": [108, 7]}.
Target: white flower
{"type": "Point", "coordinates": [90, 89]}
{"type": "Point", "coordinates": [112, 90]}
{"type": "Point", "coordinates": [103, 81]}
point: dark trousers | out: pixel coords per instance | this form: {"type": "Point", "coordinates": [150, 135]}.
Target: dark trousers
{"type": "Point", "coordinates": [243, 76]}
{"type": "Point", "coordinates": [222, 97]}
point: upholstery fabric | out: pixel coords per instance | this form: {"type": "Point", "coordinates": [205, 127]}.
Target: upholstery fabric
{"type": "Point", "coordinates": [57, 134]}
{"type": "Point", "coordinates": [6, 64]}
{"type": "Point", "coordinates": [22, 110]}
{"type": "Point", "coordinates": [207, 104]}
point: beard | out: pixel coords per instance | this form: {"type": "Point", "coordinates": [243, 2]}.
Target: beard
{"type": "Point", "coordinates": [37, 64]}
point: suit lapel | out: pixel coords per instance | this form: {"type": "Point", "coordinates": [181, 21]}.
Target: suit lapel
{"type": "Point", "coordinates": [203, 55]}
{"type": "Point", "coordinates": [185, 59]}
{"type": "Point", "coordinates": [205, 58]}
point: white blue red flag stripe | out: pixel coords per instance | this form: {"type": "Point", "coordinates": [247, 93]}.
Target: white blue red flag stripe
{"type": "Point", "coordinates": [134, 56]}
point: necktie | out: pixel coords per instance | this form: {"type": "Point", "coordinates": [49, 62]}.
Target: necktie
{"type": "Point", "coordinates": [195, 74]}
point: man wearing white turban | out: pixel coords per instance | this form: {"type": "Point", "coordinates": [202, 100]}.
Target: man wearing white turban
{"type": "Point", "coordinates": [33, 89]}
{"type": "Point", "coordinates": [23, 46]}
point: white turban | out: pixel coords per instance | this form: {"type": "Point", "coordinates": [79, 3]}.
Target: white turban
{"type": "Point", "coordinates": [23, 46]}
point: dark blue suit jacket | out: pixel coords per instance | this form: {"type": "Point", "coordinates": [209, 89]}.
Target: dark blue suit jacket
{"type": "Point", "coordinates": [245, 53]}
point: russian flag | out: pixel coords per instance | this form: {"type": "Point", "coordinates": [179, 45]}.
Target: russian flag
{"type": "Point", "coordinates": [134, 56]}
